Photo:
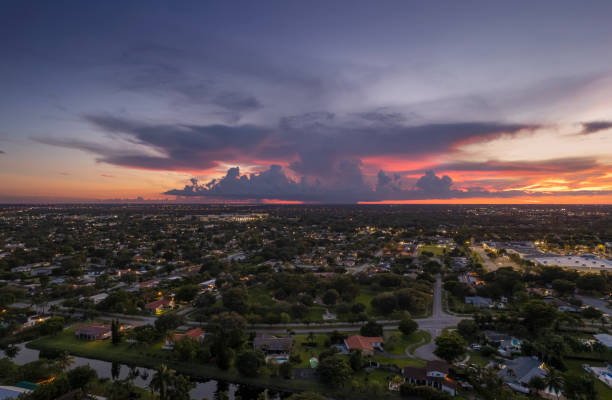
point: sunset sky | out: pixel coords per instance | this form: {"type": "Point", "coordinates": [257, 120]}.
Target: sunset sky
{"type": "Point", "coordinates": [306, 101]}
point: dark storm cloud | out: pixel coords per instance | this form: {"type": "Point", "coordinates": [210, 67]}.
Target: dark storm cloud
{"type": "Point", "coordinates": [2, 152]}
{"type": "Point", "coordinates": [433, 184]}
{"type": "Point", "coordinates": [595, 126]}
{"type": "Point", "coordinates": [348, 188]}
{"type": "Point", "coordinates": [383, 116]}
{"type": "Point", "coordinates": [315, 142]}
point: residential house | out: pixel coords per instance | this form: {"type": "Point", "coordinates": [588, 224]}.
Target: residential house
{"type": "Point", "coordinates": [518, 372]}
{"type": "Point", "coordinates": [506, 344]}
{"type": "Point", "coordinates": [196, 334]}
{"type": "Point", "coordinates": [98, 297]}
{"type": "Point", "coordinates": [435, 374]}
{"type": "Point", "coordinates": [365, 344]}
{"type": "Point", "coordinates": [33, 320]}
{"type": "Point", "coordinates": [273, 344]}
{"type": "Point", "coordinates": [93, 332]}
{"type": "Point", "coordinates": [158, 306]}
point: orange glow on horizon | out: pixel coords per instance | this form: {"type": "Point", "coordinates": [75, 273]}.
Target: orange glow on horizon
{"type": "Point", "coordinates": [553, 199]}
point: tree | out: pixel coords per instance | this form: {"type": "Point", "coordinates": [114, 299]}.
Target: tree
{"type": "Point", "coordinates": [285, 370]}
{"type": "Point", "coordinates": [179, 390]}
{"type": "Point", "coordinates": [538, 315]}
{"type": "Point", "coordinates": [579, 386]}
{"type": "Point", "coordinates": [457, 289]}
{"type": "Point", "coordinates": [554, 381]}
{"type": "Point", "coordinates": [450, 346]}
{"type": "Point", "coordinates": [187, 292]}
{"type": "Point", "coordinates": [11, 351]}
{"type": "Point", "coordinates": [186, 349]}
{"type": "Point", "coordinates": [223, 355]}
{"type": "Point", "coordinates": [169, 385]}
{"type": "Point", "coordinates": [236, 299]}
{"type": "Point", "coordinates": [407, 326]}
{"type": "Point", "coordinates": [356, 360]}
{"type": "Point", "coordinates": [249, 362]}
{"type": "Point", "coordinates": [563, 287]}
{"type": "Point", "coordinates": [81, 376]}
{"type": "Point", "coordinates": [469, 329]}
{"type": "Point", "coordinates": [385, 303]}
{"type": "Point", "coordinates": [307, 396]}
{"type": "Point", "coordinates": [64, 360]}
{"type": "Point", "coordinates": [423, 392]}
{"type": "Point", "coordinates": [330, 297]}
{"type": "Point", "coordinates": [161, 381]}
{"type": "Point", "coordinates": [167, 322]}
{"type": "Point", "coordinates": [231, 327]}
{"type": "Point", "coordinates": [591, 282]}
{"type": "Point", "coordinates": [537, 383]}
{"type": "Point", "coordinates": [371, 329]}
{"type": "Point", "coordinates": [334, 371]}
{"type": "Point", "coordinates": [52, 326]}
{"type": "Point", "coordinates": [115, 332]}
{"type": "Point", "coordinates": [591, 313]}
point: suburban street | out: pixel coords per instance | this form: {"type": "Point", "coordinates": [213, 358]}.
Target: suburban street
{"type": "Point", "coordinates": [436, 323]}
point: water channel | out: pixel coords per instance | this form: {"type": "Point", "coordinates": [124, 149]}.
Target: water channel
{"type": "Point", "coordinates": [205, 389]}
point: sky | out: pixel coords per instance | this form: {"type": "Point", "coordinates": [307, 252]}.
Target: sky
{"type": "Point", "coordinates": [306, 101]}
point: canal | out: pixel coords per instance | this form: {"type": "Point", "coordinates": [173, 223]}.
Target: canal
{"type": "Point", "coordinates": [204, 389]}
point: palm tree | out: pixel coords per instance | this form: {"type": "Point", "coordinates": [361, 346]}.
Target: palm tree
{"type": "Point", "coordinates": [161, 380]}
{"type": "Point", "coordinates": [64, 360]}
{"type": "Point", "coordinates": [11, 351]}
{"type": "Point", "coordinates": [554, 381]}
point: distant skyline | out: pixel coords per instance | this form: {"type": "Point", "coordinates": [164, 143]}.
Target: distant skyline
{"type": "Point", "coordinates": [316, 102]}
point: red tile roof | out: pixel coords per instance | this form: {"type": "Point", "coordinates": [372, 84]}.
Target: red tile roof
{"type": "Point", "coordinates": [158, 303]}
{"type": "Point", "coordinates": [193, 333]}
{"type": "Point", "coordinates": [358, 342]}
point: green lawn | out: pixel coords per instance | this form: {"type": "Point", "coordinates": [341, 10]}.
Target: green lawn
{"type": "Point", "coordinates": [260, 296]}
{"type": "Point", "coordinates": [306, 352]}
{"type": "Point", "coordinates": [315, 314]}
{"type": "Point", "coordinates": [477, 358]}
{"type": "Point", "coordinates": [396, 342]}
{"type": "Point", "coordinates": [365, 297]}
{"type": "Point", "coordinates": [437, 251]}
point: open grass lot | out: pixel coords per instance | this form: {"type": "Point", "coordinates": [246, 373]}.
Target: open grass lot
{"type": "Point", "coordinates": [365, 297]}
{"type": "Point", "coordinates": [603, 390]}
{"type": "Point", "coordinates": [435, 250]}
{"type": "Point", "coordinates": [396, 342]}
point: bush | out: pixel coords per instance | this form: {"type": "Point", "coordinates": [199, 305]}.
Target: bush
{"type": "Point", "coordinates": [371, 329]}
{"type": "Point", "coordinates": [424, 392]}
{"type": "Point", "coordinates": [408, 326]}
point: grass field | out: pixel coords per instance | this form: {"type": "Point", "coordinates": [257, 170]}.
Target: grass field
{"type": "Point", "coordinates": [437, 251]}
{"type": "Point", "coordinates": [396, 342]}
